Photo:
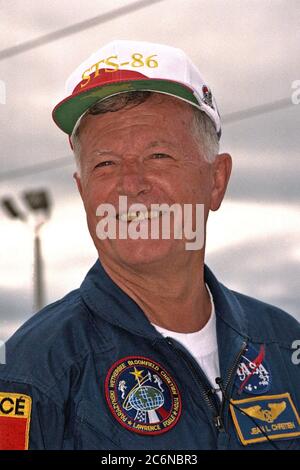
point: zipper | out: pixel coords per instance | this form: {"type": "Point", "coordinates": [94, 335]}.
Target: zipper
{"type": "Point", "coordinates": [206, 391]}
{"type": "Point", "coordinates": [232, 370]}
{"type": "Point", "coordinates": [234, 366]}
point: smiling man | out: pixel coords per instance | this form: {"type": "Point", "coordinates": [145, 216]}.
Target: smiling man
{"type": "Point", "coordinates": [152, 351]}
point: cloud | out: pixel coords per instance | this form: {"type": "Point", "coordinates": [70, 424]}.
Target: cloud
{"type": "Point", "coordinates": [16, 308]}
{"type": "Point", "coordinates": [260, 269]}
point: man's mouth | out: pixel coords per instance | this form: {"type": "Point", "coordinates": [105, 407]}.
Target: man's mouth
{"type": "Point", "coordinates": [138, 216]}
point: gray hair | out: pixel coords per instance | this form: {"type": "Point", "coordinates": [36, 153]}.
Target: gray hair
{"type": "Point", "coordinates": [203, 129]}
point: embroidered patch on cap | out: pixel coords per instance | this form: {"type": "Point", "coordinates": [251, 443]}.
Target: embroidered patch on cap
{"type": "Point", "coordinates": [275, 416]}
{"type": "Point", "coordinates": [15, 411]}
{"type": "Point", "coordinates": [207, 96]}
{"type": "Point", "coordinates": [142, 395]}
{"type": "Point", "coordinates": [253, 373]}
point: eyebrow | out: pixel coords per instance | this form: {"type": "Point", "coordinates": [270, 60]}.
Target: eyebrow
{"type": "Point", "coordinates": [100, 152]}
{"type": "Point", "coordinates": [155, 143]}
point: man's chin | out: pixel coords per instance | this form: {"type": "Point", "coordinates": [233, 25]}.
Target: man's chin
{"type": "Point", "coordinates": [138, 253]}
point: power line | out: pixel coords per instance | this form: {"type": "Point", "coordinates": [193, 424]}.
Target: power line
{"type": "Point", "coordinates": [36, 168]}
{"type": "Point", "coordinates": [257, 110]}
{"type": "Point", "coordinates": [226, 119]}
{"type": "Point", "coordinates": [75, 28]}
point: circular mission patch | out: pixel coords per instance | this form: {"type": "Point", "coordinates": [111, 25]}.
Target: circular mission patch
{"type": "Point", "coordinates": [142, 395]}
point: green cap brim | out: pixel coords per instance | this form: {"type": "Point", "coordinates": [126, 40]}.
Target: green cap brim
{"type": "Point", "coordinates": [67, 113]}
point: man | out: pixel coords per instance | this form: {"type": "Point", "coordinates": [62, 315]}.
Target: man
{"type": "Point", "coordinates": [152, 352]}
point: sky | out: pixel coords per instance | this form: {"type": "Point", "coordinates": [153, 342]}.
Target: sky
{"type": "Point", "coordinates": [248, 51]}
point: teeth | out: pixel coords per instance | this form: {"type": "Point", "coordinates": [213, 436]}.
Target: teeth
{"type": "Point", "coordinates": [154, 214]}
{"type": "Point", "coordinates": [138, 215]}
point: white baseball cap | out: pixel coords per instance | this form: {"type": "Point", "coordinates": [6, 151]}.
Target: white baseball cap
{"type": "Point", "coordinates": [123, 66]}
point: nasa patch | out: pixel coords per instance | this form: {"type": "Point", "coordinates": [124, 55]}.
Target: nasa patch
{"type": "Point", "coordinates": [253, 373]}
{"type": "Point", "coordinates": [142, 395]}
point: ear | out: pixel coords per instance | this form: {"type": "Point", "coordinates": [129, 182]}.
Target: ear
{"type": "Point", "coordinates": [221, 170]}
{"type": "Point", "coordinates": [78, 182]}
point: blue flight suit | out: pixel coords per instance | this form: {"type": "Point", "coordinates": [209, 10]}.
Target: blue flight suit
{"type": "Point", "coordinates": [73, 360]}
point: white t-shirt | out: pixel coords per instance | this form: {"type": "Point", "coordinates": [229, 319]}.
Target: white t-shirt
{"type": "Point", "coordinates": [202, 345]}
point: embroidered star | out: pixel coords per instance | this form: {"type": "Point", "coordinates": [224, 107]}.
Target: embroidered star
{"type": "Point", "coordinates": [137, 374]}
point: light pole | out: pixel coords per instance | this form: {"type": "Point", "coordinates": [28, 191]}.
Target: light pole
{"type": "Point", "coordinates": [38, 203]}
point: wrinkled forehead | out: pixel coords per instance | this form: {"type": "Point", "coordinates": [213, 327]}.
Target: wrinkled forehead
{"type": "Point", "coordinates": [158, 110]}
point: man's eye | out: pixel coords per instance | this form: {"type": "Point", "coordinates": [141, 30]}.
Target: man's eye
{"type": "Point", "coordinates": [160, 155]}
{"type": "Point", "coordinates": [106, 163]}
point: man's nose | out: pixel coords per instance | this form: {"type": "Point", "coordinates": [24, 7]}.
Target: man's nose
{"type": "Point", "coordinates": [132, 180]}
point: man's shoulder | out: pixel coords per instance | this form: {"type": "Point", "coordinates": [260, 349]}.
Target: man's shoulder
{"type": "Point", "coordinates": [53, 319]}
{"type": "Point", "coordinates": [49, 342]}
{"type": "Point", "coordinates": [267, 320]}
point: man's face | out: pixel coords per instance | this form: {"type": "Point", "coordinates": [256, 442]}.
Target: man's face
{"type": "Point", "coordinates": [149, 154]}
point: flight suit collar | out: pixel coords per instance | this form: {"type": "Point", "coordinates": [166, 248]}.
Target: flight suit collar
{"type": "Point", "coordinates": [232, 327]}
{"type": "Point", "coordinates": [107, 300]}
